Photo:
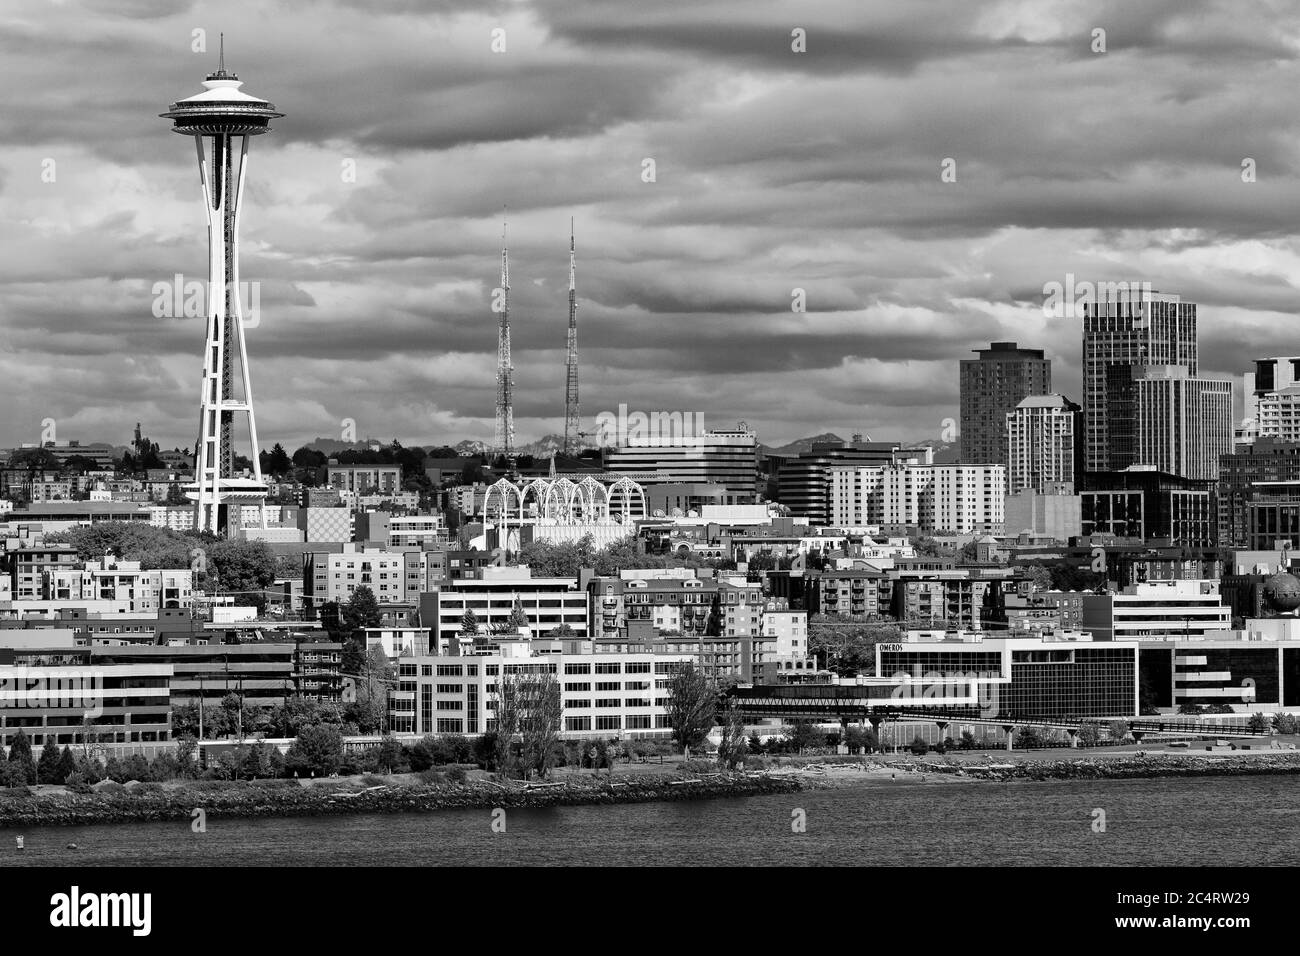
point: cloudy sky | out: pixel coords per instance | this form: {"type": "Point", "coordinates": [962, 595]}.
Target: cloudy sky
{"type": "Point", "coordinates": [774, 170]}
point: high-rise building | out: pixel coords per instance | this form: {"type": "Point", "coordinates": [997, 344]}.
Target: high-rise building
{"type": "Point", "coordinates": [222, 119]}
{"type": "Point", "coordinates": [1172, 421]}
{"type": "Point", "coordinates": [1044, 438]}
{"type": "Point", "coordinates": [1262, 463]}
{"type": "Point", "coordinates": [1125, 328]}
{"type": "Point", "coordinates": [991, 387]}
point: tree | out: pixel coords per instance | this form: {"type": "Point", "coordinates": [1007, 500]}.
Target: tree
{"type": "Point", "coordinates": [277, 462]}
{"type": "Point", "coordinates": [20, 758]}
{"type": "Point", "coordinates": [47, 768]}
{"type": "Point", "coordinates": [1117, 731]}
{"type": "Point", "coordinates": [389, 756]}
{"type": "Point", "coordinates": [528, 706]}
{"type": "Point", "coordinates": [1259, 724]}
{"type": "Point", "coordinates": [731, 748]}
{"type": "Point", "coordinates": [1028, 738]}
{"type": "Point", "coordinates": [920, 747]}
{"type": "Point", "coordinates": [469, 623]}
{"type": "Point", "coordinates": [244, 569]}
{"type": "Point", "coordinates": [362, 610]}
{"type": "Point", "coordinates": [1039, 577]}
{"type": "Point", "coordinates": [377, 673]}
{"type": "Point", "coordinates": [67, 764]}
{"type": "Point", "coordinates": [847, 643]}
{"type": "Point", "coordinates": [692, 704]}
{"type": "Point", "coordinates": [804, 734]}
{"type": "Point", "coordinates": [518, 617]}
{"type": "Point", "coordinates": [715, 624]}
{"type": "Point", "coordinates": [317, 749]}
{"type": "Point", "coordinates": [1089, 734]}
{"type": "Point", "coordinates": [926, 547]}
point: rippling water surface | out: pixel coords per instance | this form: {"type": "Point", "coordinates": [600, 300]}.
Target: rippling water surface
{"type": "Point", "coordinates": [1223, 821]}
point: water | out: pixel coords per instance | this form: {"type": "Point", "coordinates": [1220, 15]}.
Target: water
{"type": "Point", "coordinates": [1232, 821]}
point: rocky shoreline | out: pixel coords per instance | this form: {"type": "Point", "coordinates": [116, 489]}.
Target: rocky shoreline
{"type": "Point", "coordinates": [1116, 768]}
{"type": "Point", "coordinates": [252, 800]}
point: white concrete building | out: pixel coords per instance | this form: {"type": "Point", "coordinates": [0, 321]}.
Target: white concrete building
{"type": "Point", "coordinates": [959, 499]}
{"type": "Point", "coordinates": [1043, 433]}
{"type": "Point", "coordinates": [548, 603]}
{"type": "Point", "coordinates": [1158, 610]}
{"type": "Point", "coordinates": [606, 694]}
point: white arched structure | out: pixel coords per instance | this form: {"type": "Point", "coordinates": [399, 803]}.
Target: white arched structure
{"type": "Point", "coordinates": [558, 504]}
{"type": "Point", "coordinates": [593, 499]}
{"type": "Point", "coordinates": [508, 499]}
{"type": "Point", "coordinates": [537, 488]}
{"type": "Point", "coordinates": [621, 495]}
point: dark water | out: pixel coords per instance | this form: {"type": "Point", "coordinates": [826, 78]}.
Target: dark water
{"type": "Point", "coordinates": [1226, 821]}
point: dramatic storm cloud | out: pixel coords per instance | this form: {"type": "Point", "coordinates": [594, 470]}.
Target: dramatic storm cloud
{"type": "Point", "coordinates": [775, 170]}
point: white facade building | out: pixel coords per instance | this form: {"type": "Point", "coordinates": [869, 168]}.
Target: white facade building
{"type": "Point", "coordinates": [1041, 441]}
{"type": "Point", "coordinates": [958, 499]}
{"type": "Point", "coordinates": [610, 694]}
{"type": "Point", "coordinates": [121, 581]}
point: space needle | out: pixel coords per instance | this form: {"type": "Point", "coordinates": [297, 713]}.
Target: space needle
{"type": "Point", "coordinates": [221, 119]}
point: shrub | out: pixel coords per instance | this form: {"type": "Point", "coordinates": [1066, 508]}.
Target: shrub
{"type": "Point", "coordinates": [370, 780]}
{"type": "Point", "coordinates": [434, 778]}
{"type": "Point", "coordinates": [1028, 738]}
{"type": "Point", "coordinates": [457, 775]}
{"type": "Point", "coordinates": [919, 745]}
{"type": "Point", "coordinates": [77, 782]}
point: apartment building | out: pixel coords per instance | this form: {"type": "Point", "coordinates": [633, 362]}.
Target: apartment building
{"type": "Point", "coordinates": [108, 579]}
{"type": "Point", "coordinates": [955, 499]}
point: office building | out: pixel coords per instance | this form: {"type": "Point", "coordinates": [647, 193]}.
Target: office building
{"type": "Point", "coordinates": [1158, 610]}
{"type": "Point", "coordinates": [1123, 329]}
{"type": "Point", "coordinates": [1166, 418]}
{"type": "Point", "coordinates": [59, 705]}
{"type": "Point", "coordinates": [1146, 504]}
{"type": "Point", "coordinates": [1263, 462]}
{"type": "Point", "coordinates": [606, 694]}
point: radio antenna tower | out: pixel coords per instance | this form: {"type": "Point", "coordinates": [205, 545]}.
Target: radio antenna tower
{"type": "Point", "coordinates": [571, 433]}
{"type": "Point", "coordinates": [503, 441]}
